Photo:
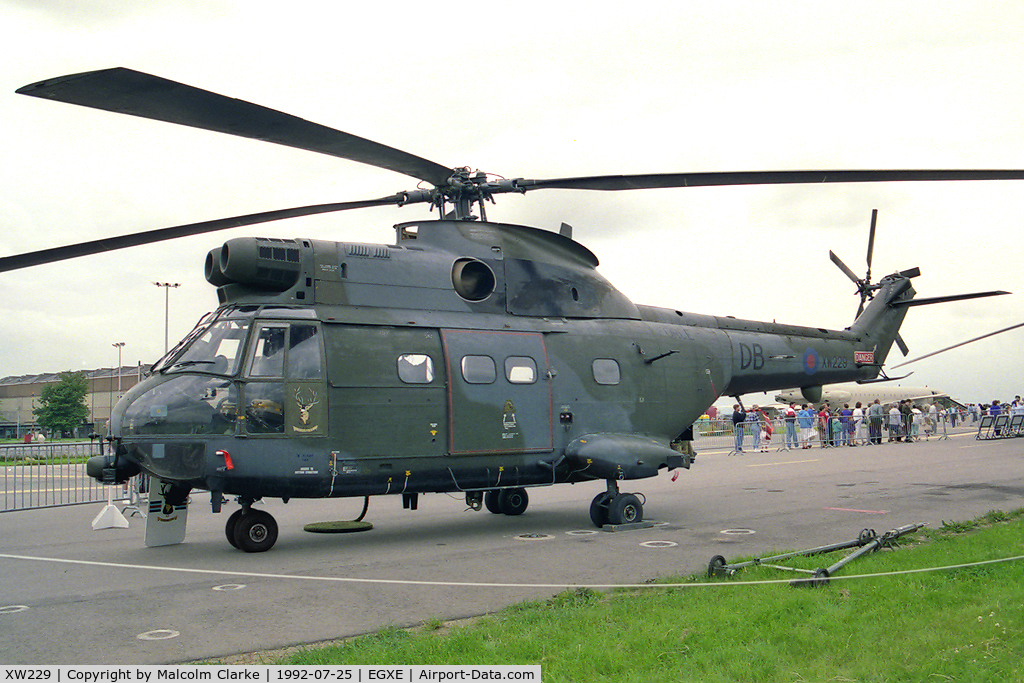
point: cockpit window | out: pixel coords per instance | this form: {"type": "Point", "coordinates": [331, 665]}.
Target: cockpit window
{"type": "Point", "coordinates": [216, 350]}
{"type": "Point", "coordinates": [188, 404]}
{"type": "Point", "coordinates": [286, 350]}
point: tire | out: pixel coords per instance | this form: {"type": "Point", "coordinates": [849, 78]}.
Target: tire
{"type": "Point", "coordinates": [229, 528]}
{"type": "Point", "coordinates": [513, 501]}
{"type": "Point", "coordinates": [256, 532]}
{"type": "Point", "coordinates": [491, 501]}
{"type": "Point", "coordinates": [625, 508]}
{"type": "Point", "coordinates": [599, 509]}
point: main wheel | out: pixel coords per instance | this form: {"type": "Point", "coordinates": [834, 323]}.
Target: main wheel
{"type": "Point", "coordinates": [625, 508]}
{"type": "Point", "coordinates": [513, 501]}
{"type": "Point", "coordinates": [491, 501]}
{"type": "Point", "coordinates": [255, 532]}
{"type": "Point", "coordinates": [599, 509]}
{"type": "Point", "coordinates": [229, 528]}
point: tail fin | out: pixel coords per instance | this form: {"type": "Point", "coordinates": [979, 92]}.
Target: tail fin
{"type": "Point", "coordinates": [881, 319]}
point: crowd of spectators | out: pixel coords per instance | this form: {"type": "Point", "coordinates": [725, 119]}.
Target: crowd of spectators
{"type": "Point", "coordinates": [832, 427]}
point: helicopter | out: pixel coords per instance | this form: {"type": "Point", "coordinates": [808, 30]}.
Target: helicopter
{"type": "Point", "coordinates": [468, 357]}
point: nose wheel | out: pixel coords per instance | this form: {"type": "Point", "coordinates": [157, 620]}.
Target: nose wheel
{"type": "Point", "coordinates": [254, 531]}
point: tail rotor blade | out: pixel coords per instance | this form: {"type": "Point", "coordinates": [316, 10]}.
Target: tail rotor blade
{"type": "Point", "coordinates": [871, 241]}
{"type": "Point", "coordinates": [843, 267]}
{"type": "Point", "coordinates": [904, 349]}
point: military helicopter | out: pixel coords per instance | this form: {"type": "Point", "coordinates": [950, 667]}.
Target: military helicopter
{"type": "Point", "coordinates": [469, 356]}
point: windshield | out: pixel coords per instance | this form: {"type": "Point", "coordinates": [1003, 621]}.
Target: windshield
{"type": "Point", "coordinates": [216, 349]}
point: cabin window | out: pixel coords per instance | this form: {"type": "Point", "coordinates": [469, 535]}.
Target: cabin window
{"type": "Point", "coordinates": [520, 370]}
{"type": "Point", "coordinates": [606, 371]}
{"type": "Point", "coordinates": [415, 368]}
{"type": "Point", "coordinates": [479, 369]}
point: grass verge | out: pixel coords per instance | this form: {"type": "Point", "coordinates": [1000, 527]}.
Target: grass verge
{"type": "Point", "coordinates": [963, 624]}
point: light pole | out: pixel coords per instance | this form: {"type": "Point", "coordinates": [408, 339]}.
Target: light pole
{"type": "Point", "coordinates": [119, 345]}
{"type": "Point", "coordinates": [167, 304]}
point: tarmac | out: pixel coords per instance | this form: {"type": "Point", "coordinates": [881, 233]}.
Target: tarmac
{"type": "Point", "coordinates": [71, 595]}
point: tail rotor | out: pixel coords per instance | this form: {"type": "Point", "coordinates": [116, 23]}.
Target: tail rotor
{"type": "Point", "coordinates": [865, 288]}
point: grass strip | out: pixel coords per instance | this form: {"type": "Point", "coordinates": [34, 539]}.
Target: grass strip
{"type": "Point", "coordinates": [963, 624]}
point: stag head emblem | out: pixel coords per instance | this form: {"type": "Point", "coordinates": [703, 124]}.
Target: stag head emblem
{"type": "Point", "coordinates": [305, 404]}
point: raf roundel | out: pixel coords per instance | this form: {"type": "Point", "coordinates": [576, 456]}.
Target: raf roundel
{"type": "Point", "coordinates": [811, 361]}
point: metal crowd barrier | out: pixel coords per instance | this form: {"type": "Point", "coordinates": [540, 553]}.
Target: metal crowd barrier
{"type": "Point", "coordinates": [50, 475]}
{"type": "Point", "coordinates": [719, 433]}
{"type": "Point", "coordinates": [1003, 426]}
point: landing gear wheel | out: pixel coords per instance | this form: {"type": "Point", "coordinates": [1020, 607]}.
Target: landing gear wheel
{"type": "Point", "coordinates": [625, 508]}
{"type": "Point", "coordinates": [255, 532]}
{"type": "Point", "coordinates": [229, 528]}
{"type": "Point", "coordinates": [491, 501]}
{"type": "Point", "coordinates": [599, 509]}
{"type": "Point", "coordinates": [513, 501]}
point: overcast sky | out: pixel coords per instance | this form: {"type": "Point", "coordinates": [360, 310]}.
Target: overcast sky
{"type": "Point", "coordinates": [535, 90]}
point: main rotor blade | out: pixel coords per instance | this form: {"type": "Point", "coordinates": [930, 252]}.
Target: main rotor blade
{"type": "Point", "coordinates": [947, 299]}
{"type": "Point", "coordinates": [36, 258]}
{"type": "Point", "coordinates": [667, 180]}
{"type": "Point", "coordinates": [125, 91]}
{"type": "Point", "coordinates": [964, 343]}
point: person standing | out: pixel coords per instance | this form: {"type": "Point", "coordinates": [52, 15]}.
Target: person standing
{"type": "Point", "coordinates": [895, 418]}
{"type": "Point", "coordinates": [846, 424]}
{"type": "Point", "coordinates": [754, 420]}
{"type": "Point", "coordinates": [825, 426]}
{"type": "Point", "coordinates": [806, 420]}
{"type": "Point", "coordinates": [790, 418]}
{"type": "Point", "coordinates": [739, 419]}
{"type": "Point", "coordinates": [875, 415]}
{"type": "Point", "coordinates": [907, 415]}
{"type": "Point", "coordinates": [858, 424]}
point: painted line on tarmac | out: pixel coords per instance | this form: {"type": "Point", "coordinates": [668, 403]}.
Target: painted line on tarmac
{"type": "Point", "coordinates": [786, 462]}
{"type": "Point", "coordinates": [867, 512]}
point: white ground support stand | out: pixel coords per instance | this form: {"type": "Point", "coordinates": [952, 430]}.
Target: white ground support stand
{"type": "Point", "coordinates": [135, 502]}
{"type": "Point", "coordinates": [110, 517]}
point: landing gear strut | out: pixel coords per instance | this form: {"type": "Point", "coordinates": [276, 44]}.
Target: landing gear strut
{"type": "Point", "coordinates": [254, 531]}
{"type": "Point", "coordinates": [613, 507]}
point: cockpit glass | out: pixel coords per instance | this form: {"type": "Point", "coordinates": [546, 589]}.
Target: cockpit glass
{"type": "Point", "coordinates": [217, 350]}
{"type": "Point", "coordinates": [189, 404]}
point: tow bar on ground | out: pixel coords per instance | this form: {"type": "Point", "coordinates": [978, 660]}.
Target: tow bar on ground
{"type": "Point", "coordinates": [867, 542]}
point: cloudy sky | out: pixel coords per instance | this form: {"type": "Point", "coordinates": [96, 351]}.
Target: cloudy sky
{"type": "Point", "coordinates": [535, 90]}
